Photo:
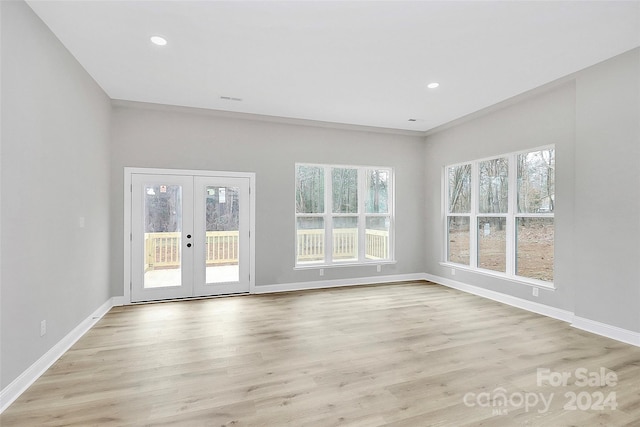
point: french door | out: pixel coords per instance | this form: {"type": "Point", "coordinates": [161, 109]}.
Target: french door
{"type": "Point", "coordinates": [189, 236]}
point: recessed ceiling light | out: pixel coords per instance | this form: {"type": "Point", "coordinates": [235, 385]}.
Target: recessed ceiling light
{"type": "Point", "coordinates": [433, 85]}
{"type": "Point", "coordinates": [160, 41]}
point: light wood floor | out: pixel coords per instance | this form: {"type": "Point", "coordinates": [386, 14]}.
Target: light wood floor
{"type": "Point", "coordinates": [404, 354]}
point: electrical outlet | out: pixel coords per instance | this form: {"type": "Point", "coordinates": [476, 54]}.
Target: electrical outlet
{"type": "Point", "coordinates": [379, 268]}
{"type": "Point", "coordinates": [43, 328]}
{"type": "Point", "coordinates": [322, 271]}
{"type": "Point", "coordinates": [453, 271]}
{"type": "Point", "coordinates": [535, 292]}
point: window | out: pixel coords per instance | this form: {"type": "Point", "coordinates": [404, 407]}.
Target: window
{"type": "Point", "coordinates": [344, 215]}
{"type": "Point", "coordinates": [534, 218]}
{"type": "Point", "coordinates": [510, 202]}
{"type": "Point", "coordinates": [459, 203]}
{"type": "Point", "coordinates": [493, 201]}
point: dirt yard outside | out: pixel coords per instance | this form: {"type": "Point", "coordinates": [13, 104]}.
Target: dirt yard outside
{"type": "Point", "coordinates": [534, 249]}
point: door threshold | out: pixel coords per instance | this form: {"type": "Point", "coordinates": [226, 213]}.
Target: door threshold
{"type": "Point", "coordinates": [189, 298]}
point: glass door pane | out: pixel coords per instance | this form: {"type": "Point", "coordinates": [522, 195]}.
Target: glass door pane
{"type": "Point", "coordinates": [221, 222]}
{"type": "Point", "coordinates": [222, 215]}
{"type": "Point", "coordinates": [162, 236]}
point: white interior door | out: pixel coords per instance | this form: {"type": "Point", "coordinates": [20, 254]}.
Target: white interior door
{"type": "Point", "coordinates": [189, 236]}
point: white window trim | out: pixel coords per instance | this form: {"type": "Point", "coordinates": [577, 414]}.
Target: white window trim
{"type": "Point", "coordinates": [328, 219]}
{"type": "Point", "coordinates": [473, 216]}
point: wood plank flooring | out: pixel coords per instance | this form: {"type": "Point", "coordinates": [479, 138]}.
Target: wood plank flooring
{"type": "Point", "coordinates": [405, 354]}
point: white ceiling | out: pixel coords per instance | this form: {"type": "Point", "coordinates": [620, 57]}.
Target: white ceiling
{"type": "Point", "coordinates": [364, 63]}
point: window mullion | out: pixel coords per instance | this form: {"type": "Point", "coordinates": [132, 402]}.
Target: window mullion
{"type": "Point", "coordinates": [445, 212]}
{"type": "Point", "coordinates": [390, 214]}
{"type": "Point", "coordinates": [473, 217]}
{"type": "Point", "coordinates": [512, 192]}
{"type": "Point", "coordinates": [361, 215]}
{"type": "Point", "coordinates": [328, 216]}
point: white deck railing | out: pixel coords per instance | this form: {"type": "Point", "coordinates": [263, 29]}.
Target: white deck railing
{"type": "Point", "coordinates": [345, 244]}
{"type": "Point", "coordinates": [162, 250]}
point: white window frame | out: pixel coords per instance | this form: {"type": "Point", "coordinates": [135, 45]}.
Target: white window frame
{"type": "Point", "coordinates": [328, 216]}
{"type": "Point", "coordinates": [511, 218]}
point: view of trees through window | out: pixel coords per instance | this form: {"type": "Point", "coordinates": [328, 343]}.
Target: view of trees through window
{"type": "Point", "coordinates": [534, 220]}
{"type": "Point", "coordinates": [459, 202]}
{"type": "Point", "coordinates": [344, 185]}
{"type": "Point", "coordinates": [494, 186]}
{"type": "Point", "coordinates": [460, 189]}
{"type": "Point", "coordinates": [377, 187]}
{"type": "Point", "coordinates": [163, 209]}
{"type": "Point", "coordinates": [222, 208]}
{"type": "Point", "coordinates": [528, 219]}
{"type": "Point", "coordinates": [309, 189]}
{"type": "Point", "coordinates": [536, 181]}
{"type": "Point", "coordinates": [357, 225]}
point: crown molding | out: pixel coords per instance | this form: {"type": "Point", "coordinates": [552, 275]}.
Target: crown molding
{"type": "Point", "coordinates": [121, 103]}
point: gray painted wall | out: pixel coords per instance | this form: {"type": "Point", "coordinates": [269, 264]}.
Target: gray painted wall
{"type": "Point", "coordinates": [593, 118]}
{"type": "Point", "coordinates": [55, 142]}
{"type": "Point", "coordinates": [192, 139]}
{"type": "Point", "coordinates": [607, 192]}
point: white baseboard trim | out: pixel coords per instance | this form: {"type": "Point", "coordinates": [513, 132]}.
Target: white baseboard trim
{"type": "Point", "coordinates": [613, 332]}
{"type": "Point", "coordinates": [322, 284]}
{"type": "Point", "coordinates": [534, 307]}
{"type": "Point", "coordinates": [619, 334]}
{"type": "Point", "coordinates": [118, 301]}
{"type": "Point", "coordinates": [18, 386]}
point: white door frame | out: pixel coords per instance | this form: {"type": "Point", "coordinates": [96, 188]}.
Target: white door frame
{"type": "Point", "coordinates": [129, 171]}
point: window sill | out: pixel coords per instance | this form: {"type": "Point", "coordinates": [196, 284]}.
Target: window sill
{"type": "Point", "coordinates": [514, 279]}
{"type": "Point", "coordinates": [345, 264]}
